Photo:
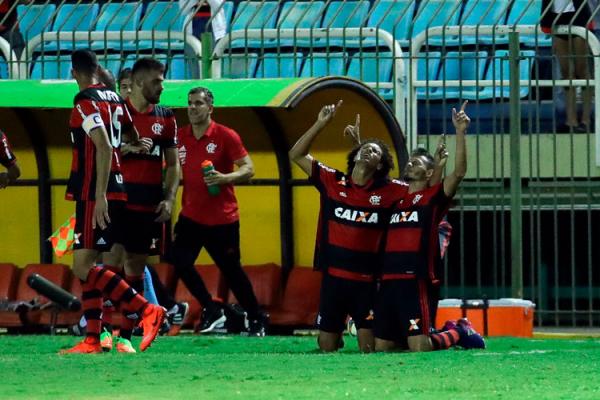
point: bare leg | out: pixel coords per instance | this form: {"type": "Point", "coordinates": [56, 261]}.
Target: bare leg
{"type": "Point", "coordinates": [385, 345]}
{"type": "Point", "coordinates": [419, 343]}
{"type": "Point", "coordinates": [83, 261]}
{"type": "Point", "coordinates": [329, 342]}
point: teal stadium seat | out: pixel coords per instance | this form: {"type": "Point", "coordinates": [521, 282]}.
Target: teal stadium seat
{"type": "Point", "coordinates": [112, 62]}
{"type": "Point", "coordinates": [392, 16]}
{"type": "Point", "coordinates": [428, 65]}
{"type": "Point", "coordinates": [160, 16]}
{"type": "Point", "coordinates": [434, 13]}
{"type": "Point", "coordinates": [323, 64]}
{"type": "Point", "coordinates": [239, 66]}
{"type": "Point", "coordinates": [3, 68]}
{"type": "Point", "coordinates": [286, 65]}
{"type": "Point", "coordinates": [35, 19]}
{"type": "Point", "coordinates": [117, 17]}
{"type": "Point", "coordinates": [228, 10]}
{"type": "Point", "coordinates": [478, 12]}
{"type": "Point", "coordinates": [342, 14]}
{"type": "Point", "coordinates": [72, 17]}
{"type": "Point", "coordinates": [528, 12]}
{"type": "Point", "coordinates": [178, 69]}
{"type": "Point", "coordinates": [373, 68]}
{"type": "Point", "coordinates": [466, 65]}
{"type": "Point", "coordinates": [129, 61]}
{"type": "Point", "coordinates": [52, 67]}
{"type": "Point", "coordinates": [297, 15]}
{"type": "Point", "coordinates": [253, 15]}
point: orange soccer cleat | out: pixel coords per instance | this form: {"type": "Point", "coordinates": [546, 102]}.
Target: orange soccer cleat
{"type": "Point", "coordinates": [152, 319]}
{"type": "Point", "coordinates": [88, 346]}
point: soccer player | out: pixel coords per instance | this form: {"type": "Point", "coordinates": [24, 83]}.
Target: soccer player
{"type": "Point", "coordinates": [124, 82]}
{"type": "Point", "coordinates": [410, 278]}
{"type": "Point", "coordinates": [351, 227]}
{"type": "Point", "coordinates": [96, 185]}
{"type": "Point", "coordinates": [9, 161]}
{"type": "Point", "coordinates": [147, 207]}
{"type": "Point", "coordinates": [212, 220]}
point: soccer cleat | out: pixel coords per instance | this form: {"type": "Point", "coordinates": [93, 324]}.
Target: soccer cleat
{"type": "Point", "coordinates": [469, 338]}
{"type": "Point", "coordinates": [106, 341]}
{"type": "Point", "coordinates": [212, 320]}
{"type": "Point", "coordinates": [152, 319]}
{"type": "Point", "coordinates": [88, 346]}
{"type": "Point", "coordinates": [177, 317]}
{"type": "Point", "coordinates": [124, 346]}
{"type": "Point", "coordinates": [257, 327]}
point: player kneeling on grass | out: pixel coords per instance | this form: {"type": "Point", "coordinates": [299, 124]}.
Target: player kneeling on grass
{"type": "Point", "coordinates": [409, 290]}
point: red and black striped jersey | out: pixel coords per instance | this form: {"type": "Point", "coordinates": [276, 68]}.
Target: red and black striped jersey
{"type": "Point", "coordinates": [7, 158]}
{"type": "Point", "coordinates": [352, 220]}
{"type": "Point", "coordinates": [143, 172]}
{"type": "Point", "coordinates": [95, 107]}
{"type": "Point", "coordinates": [412, 244]}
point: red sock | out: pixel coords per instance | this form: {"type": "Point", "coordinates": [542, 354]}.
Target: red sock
{"type": "Point", "coordinates": [91, 299]}
{"type": "Point", "coordinates": [116, 289]}
{"type": "Point", "coordinates": [107, 311]}
{"type": "Point", "coordinates": [137, 283]}
{"type": "Point", "coordinates": [444, 340]}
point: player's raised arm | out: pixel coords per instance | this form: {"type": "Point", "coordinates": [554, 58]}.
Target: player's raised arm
{"type": "Point", "coordinates": [299, 152]}
{"type": "Point", "coordinates": [441, 158]}
{"type": "Point", "coordinates": [461, 122]}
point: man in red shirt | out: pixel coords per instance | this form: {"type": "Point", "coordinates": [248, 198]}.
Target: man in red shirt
{"type": "Point", "coordinates": [96, 185]}
{"type": "Point", "coordinates": [9, 161]}
{"type": "Point", "coordinates": [212, 220]}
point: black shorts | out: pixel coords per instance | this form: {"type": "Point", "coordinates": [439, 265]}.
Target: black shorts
{"type": "Point", "coordinates": [405, 307]}
{"type": "Point", "coordinates": [97, 239]}
{"type": "Point", "coordinates": [141, 234]}
{"type": "Point", "coordinates": [342, 297]}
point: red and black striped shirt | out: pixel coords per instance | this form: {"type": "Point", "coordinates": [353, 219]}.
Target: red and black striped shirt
{"type": "Point", "coordinates": [143, 172]}
{"type": "Point", "coordinates": [412, 246]}
{"type": "Point", "coordinates": [96, 106]}
{"type": "Point", "coordinates": [7, 158]}
{"type": "Point", "coordinates": [352, 221]}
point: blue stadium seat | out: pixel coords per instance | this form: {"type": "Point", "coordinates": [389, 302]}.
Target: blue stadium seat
{"type": "Point", "coordinates": [478, 12]}
{"type": "Point", "coordinates": [343, 14]}
{"type": "Point", "coordinates": [129, 61]}
{"type": "Point", "coordinates": [323, 64]}
{"type": "Point", "coordinates": [178, 68]}
{"type": "Point", "coordinates": [3, 68]}
{"type": "Point", "coordinates": [528, 12]}
{"type": "Point", "coordinates": [160, 16]}
{"type": "Point", "coordinates": [284, 65]}
{"type": "Point", "coordinates": [500, 69]}
{"type": "Point", "coordinates": [239, 66]}
{"type": "Point", "coordinates": [433, 13]}
{"type": "Point", "coordinates": [112, 62]}
{"type": "Point", "coordinates": [394, 16]}
{"type": "Point", "coordinates": [35, 19]}
{"type": "Point", "coordinates": [253, 15]}
{"type": "Point", "coordinates": [117, 17]}
{"type": "Point", "coordinates": [72, 17]}
{"type": "Point", "coordinates": [428, 65]}
{"type": "Point", "coordinates": [466, 65]}
{"type": "Point", "coordinates": [52, 67]}
{"type": "Point", "coordinates": [228, 10]}
{"type": "Point", "coordinates": [372, 68]}
{"type": "Point", "coordinates": [297, 15]}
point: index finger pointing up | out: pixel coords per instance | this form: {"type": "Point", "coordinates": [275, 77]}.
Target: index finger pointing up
{"type": "Point", "coordinates": [464, 105]}
{"type": "Point", "coordinates": [357, 123]}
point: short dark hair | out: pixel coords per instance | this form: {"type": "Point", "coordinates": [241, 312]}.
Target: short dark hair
{"type": "Point", "coordinates": [146, 64]}
{"type": "Point", "coordinates": [84, 61]}
{"type": "Point", "coordinates": [387, 160]}
{"type": "Point", "coordinates": [202, 90]}
{"type": "Point", "coordinates": [423, 152]}
{"type": "Point", "coordinates": [107, 78]}
{"type": "Point", "coordinates": [125, 73]}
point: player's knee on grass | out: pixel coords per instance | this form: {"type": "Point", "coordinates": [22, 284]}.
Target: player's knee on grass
{"type": "Point", "coordinates": [329, 342]}
{"type": "Point", "coordinates": [419, 343]}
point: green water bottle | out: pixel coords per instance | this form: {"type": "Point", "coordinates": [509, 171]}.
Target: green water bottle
{"type": "Point", "coordinates": [208, 166]}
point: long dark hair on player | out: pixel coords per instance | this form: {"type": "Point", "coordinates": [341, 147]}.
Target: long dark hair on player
{"type": "Point", "coordinates": [387, 161]}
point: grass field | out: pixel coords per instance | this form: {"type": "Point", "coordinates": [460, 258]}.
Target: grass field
{"type": "Point", "coordinates": [233, 367]}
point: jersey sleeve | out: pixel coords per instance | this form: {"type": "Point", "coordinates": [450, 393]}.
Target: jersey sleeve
{"type": "Point", "coordinates": [7, 158]}
{"type": "Point", "coordinates": [441, 200]}
{"type": "Point", "coordinates": [235, 147]}
{"type": "Point", "coordinates": [323, 176]}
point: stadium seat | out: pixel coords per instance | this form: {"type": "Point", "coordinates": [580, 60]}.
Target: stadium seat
{"type": "Point", "coordinates": [129, 61]}
{"type": "Point", "coordinates": [72, 17]}
{"type": "Point", "coordinates": [342, 14]}
{"type": "Point", "coordinates": [528, 12]}
{"type": "Point", "coordinates": [477, 12]}
{"type": "Point", "coordinates": [427, 69]}
{"type": "Point", "coordinates": [253, 15]}
{"type": "Point", "coordinates": [266, 282]}
{"type": "Point", "coordinates": [373, 69]}
{"type": "Point", "coordinates": [436, 13]}
{"type": "Point", "coordinates": [459, 66]}
{"type": "Point", "coordinates": [300, 301]}
{"type": "Point", "coordinates": [178, 69]}
{"type": "Point", "coordinates": [394, 17]}
{"type": "Point", "coordinates": [239, 66]}
{"type": "Point", "coordinates": [52, 67]}
{"type": "Point", "coordinates": [500, 69]}
{"type": "Point", "coordinates": [284, 65]}
{"type": "Point", "coordinates": [297, 15]}
{"type": "Point", "coordinates": [117, 17]}
{"type": "Point", "coordinates": [3, 68]}
{"type": "Point", "coordinates": [56, 273]}
{"type": "Point", "coordinates": [160, 16]}
{"type": "Point", "coordinates": [214, 283]}
{"type": "Point", "coordinates": [112, 62]}
{"type": "Point", "coordinates": [35, 19]}
{"type": "Point", "coordinates": [323, 64]}
{"type": "Point", "coordinates": [166, 274]}
{"type": "Point", "coordinates": [9, 274]}
{"type": "Point", "coordinates": [228, 10]}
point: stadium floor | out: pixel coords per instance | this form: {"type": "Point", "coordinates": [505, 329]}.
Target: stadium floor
{"type": "Point", "coordinates": [289, 367]}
